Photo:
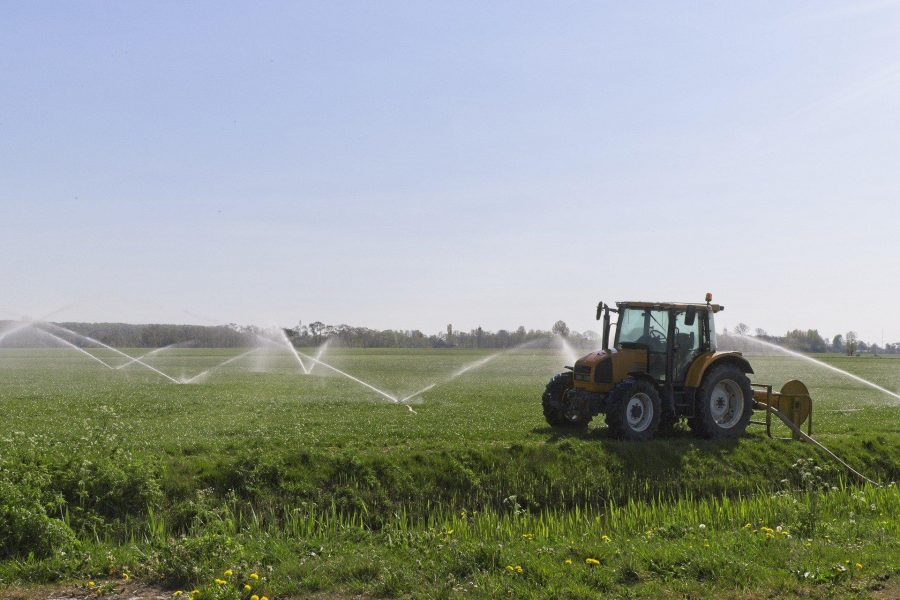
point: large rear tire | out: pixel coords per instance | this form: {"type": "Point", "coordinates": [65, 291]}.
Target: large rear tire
{"type": "Point", "coordinates": [556, 409]}
{"type": "Point", "coordinates": [634, 410]}
{"type": "Point", "coordinates": [724, 404]}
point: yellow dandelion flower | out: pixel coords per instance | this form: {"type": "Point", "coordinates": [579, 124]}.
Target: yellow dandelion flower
{"type": "Point", "coordinates": [254, 597]}
{"type": "Point", "coordinates": [126, 576]}
{"type": "Point", "coordinates": [177, 593]}
{"type": "Point", "coordinates": [229, 573]}
{"type": "Point", "coordinates": [247, 587]}
{"type": "Point", "coordinates": [254, 576]}
{"type": "Point", "coordinates": [859, 565]}
{"type": "Point", "coordinates": [264, 598]}
{"type": "Point", "coordinates": [194, 592]}
{"type": "Point", "coordinates": [748, 526]}
{"type": "Point", "coordinates": [568, 561]}
{"type": "Point", "coordinates": [91, 584]}
{"type": "Point", "coordinates": [605, 538]}
{"type": "Point", "coordinates": [592, 561]}
{"type": "Point", "coordinates": [220, 581]}
{"type": "Point", "coordinates": [510, 568]}
{"type": "Point", "coordinates": [519, 569]}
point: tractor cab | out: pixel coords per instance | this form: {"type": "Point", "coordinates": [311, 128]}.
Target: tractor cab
{"type": "Point", "coordinates": [672, 335]}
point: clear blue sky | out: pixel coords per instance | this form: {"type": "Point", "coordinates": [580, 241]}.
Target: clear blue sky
{"type": "Point", "coordinates": [413, 164]}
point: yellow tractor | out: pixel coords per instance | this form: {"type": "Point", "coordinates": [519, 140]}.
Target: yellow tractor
{"type": "Point", "coordinates": [663, 366]}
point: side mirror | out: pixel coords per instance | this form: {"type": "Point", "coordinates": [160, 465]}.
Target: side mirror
{"type": "Point", "coordinates": [690, 316]}
{"type": "Point", "coordinates": [599, 310]}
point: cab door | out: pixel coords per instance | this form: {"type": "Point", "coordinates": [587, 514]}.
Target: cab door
{"type": "Point", "coordinates": [686, 343]}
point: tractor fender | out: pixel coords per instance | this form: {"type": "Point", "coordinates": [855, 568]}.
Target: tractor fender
{"type": "Point", "coordinates": [706, 360]}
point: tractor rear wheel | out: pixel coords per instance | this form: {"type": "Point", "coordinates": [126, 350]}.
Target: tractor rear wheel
{"type": "Point", "coordinates": [724, 403]}
{"type": "Point", "coordinates": [557, 409]}
{"type": "Point", "coordinates": [634, 410]}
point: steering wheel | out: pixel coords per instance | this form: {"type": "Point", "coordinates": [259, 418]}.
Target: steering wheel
{"type": "Point", "coordinates": [658, 337]}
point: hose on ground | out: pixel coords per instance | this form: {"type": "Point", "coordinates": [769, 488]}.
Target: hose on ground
{"type": "Point", "coordinates": [793, 427]}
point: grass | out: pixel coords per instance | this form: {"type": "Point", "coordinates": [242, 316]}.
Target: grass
{"type": "Point", "coordinates": [323, 485]}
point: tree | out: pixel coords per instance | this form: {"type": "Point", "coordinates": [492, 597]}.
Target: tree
{"type": "Point", "coordinates": [450, 334]}
{"type": "Point", "coordinates": [741, 329]}
{"type": "Point", "coordinates": [805, 341]}
{"type": "Point", "coordinates": [520, 334]}
{"type": "Point", "coordinates": [851, 342]}
{"type": "Point", "coordinates": [761, 333]}
{"type": "Point", "coordinates": [316, 330]}
{"type": "Point", "coordinates": [561, 329]}
{"type": "Point", "coordinates": [837, 343]}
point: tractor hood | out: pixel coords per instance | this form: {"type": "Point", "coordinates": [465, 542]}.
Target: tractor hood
{"type": "Point", "coordinates": [600, 370]}
{"type": "Point", "coordinates": [589, 360]}
{"type": "Point", "coordinates": [584, 366]}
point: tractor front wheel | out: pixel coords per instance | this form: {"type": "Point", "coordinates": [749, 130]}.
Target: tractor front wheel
{"type": "Point", "coordinates": [724, 404]}
{"type": "Point", "coordinates": [634, 410]}
{"type": "Point", "coordinates": [557, 409]}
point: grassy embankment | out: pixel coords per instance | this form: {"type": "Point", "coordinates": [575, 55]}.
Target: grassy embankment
{"type": "Point", "coordinates": [321, 487]}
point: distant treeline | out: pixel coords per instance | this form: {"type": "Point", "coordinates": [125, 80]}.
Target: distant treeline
{"type": "Point", "coordinates": [124, 335]}
{"type": "Point", "coordinates": [811, 340]}
{"type": "Point", "coordinates": [317, 332]}
{"type": "Point", "coordinates": [156, 336]}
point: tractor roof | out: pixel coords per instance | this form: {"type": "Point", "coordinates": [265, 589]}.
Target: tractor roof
{"type": "Point", "coordinates": [671, 305]}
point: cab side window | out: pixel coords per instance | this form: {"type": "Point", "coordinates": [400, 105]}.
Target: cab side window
{"type": "Point", "coordinates": [687, 344]}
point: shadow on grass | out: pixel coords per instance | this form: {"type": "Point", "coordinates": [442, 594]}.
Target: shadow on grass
{"type": "Point", "coordinates": [651, 458]}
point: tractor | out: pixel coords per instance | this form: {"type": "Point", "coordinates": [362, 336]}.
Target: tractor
{"type": "Point", "coordinates": [662, 366]}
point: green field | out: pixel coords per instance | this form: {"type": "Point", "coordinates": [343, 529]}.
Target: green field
{"type": "Point", "coordinates": [320, 484]}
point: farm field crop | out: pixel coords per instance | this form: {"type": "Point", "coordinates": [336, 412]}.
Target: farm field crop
{"type": "Point", "coordinates": [322, 484]}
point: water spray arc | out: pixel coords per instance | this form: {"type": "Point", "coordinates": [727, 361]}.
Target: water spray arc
{"type": "Point", "coordinates": [476, 364]}
{"type": "Point", "coordinates": [290, 347]}
{"type": "Point", "coordinates": [826, 366]}
{"type": "Point", "coordinates": [15, 329]}
{"type": "Point", "coordinates": [349, 376]}
{"type": "Point", "coordinates": [218, 366]}
{"type": "Point", "coordinates": [418, 393]}
{"type": "Point", "coordinates": [567, 350]}
{"type": "Point", "coordinates": [74, 347]}
{"type": "Point", "coordinates": [319, 353]}
{"type": "Point", "coordinates": [318, 361]}
{"type": "Point", "coordinates": [117, 351]}
{"type": "Point", "coordinates": [146, 354]}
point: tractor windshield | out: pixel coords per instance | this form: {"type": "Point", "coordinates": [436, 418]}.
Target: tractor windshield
{"type": "Point", "coordinates": [643, 326]}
